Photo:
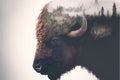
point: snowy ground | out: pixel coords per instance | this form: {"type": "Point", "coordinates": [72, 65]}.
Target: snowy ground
{"type": "Point", "coordinates": [78, 73]}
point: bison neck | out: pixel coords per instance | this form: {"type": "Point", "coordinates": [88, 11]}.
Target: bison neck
{"type": "Point", "coordinates": [101, 60]}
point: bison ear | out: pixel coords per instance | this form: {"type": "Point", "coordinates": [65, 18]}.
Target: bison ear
{"type": "Point", "coordinates": [81, 30]}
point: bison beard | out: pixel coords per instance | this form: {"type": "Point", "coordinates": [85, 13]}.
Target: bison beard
{"type": "Point", "coordinates": [60, 48]}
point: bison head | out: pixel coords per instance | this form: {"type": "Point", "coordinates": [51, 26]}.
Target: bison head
{"type": "Point", "coordinates": [59, 42]}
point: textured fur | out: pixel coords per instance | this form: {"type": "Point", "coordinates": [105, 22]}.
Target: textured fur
{"type": "Point", "coordinates": [58, 53]}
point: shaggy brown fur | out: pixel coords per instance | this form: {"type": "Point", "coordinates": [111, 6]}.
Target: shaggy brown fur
{"type": "Point", "coordinates": [41, 35]}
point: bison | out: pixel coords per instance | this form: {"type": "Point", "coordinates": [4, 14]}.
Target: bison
{"type": "Point", "coordinates": [65, 41]}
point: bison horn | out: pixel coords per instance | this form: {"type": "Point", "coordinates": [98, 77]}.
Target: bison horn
{"type": "Point", "coordinates": [81, 30]}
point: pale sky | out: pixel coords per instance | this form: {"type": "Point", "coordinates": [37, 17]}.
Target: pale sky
{"type": "Point", "coordinates": [86, 5]}
{"type": "Point", "coordinates": [18, 41]}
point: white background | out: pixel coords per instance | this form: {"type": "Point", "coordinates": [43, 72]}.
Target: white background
{"type": "Point", "coordinates": [17, 39]}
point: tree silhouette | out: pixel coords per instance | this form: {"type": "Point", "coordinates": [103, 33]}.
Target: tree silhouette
{"type": "Point", "coordinates": [60, 9]}
{"type": "Point", "coordinates": [114, 10]}
{"type": "Point", "coordinates": [99, 13]}
{"type": "Point", "coordinates": [107, 13]}
{"type": "Point", "coordinates": [102, 11]}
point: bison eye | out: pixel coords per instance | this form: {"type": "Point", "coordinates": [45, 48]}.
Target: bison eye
{"type": "Point", "coordinates": [54, 42]}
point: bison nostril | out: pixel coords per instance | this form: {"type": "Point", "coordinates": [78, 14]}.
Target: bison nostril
{"type": "Point", "coordinates": [37, 67]}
